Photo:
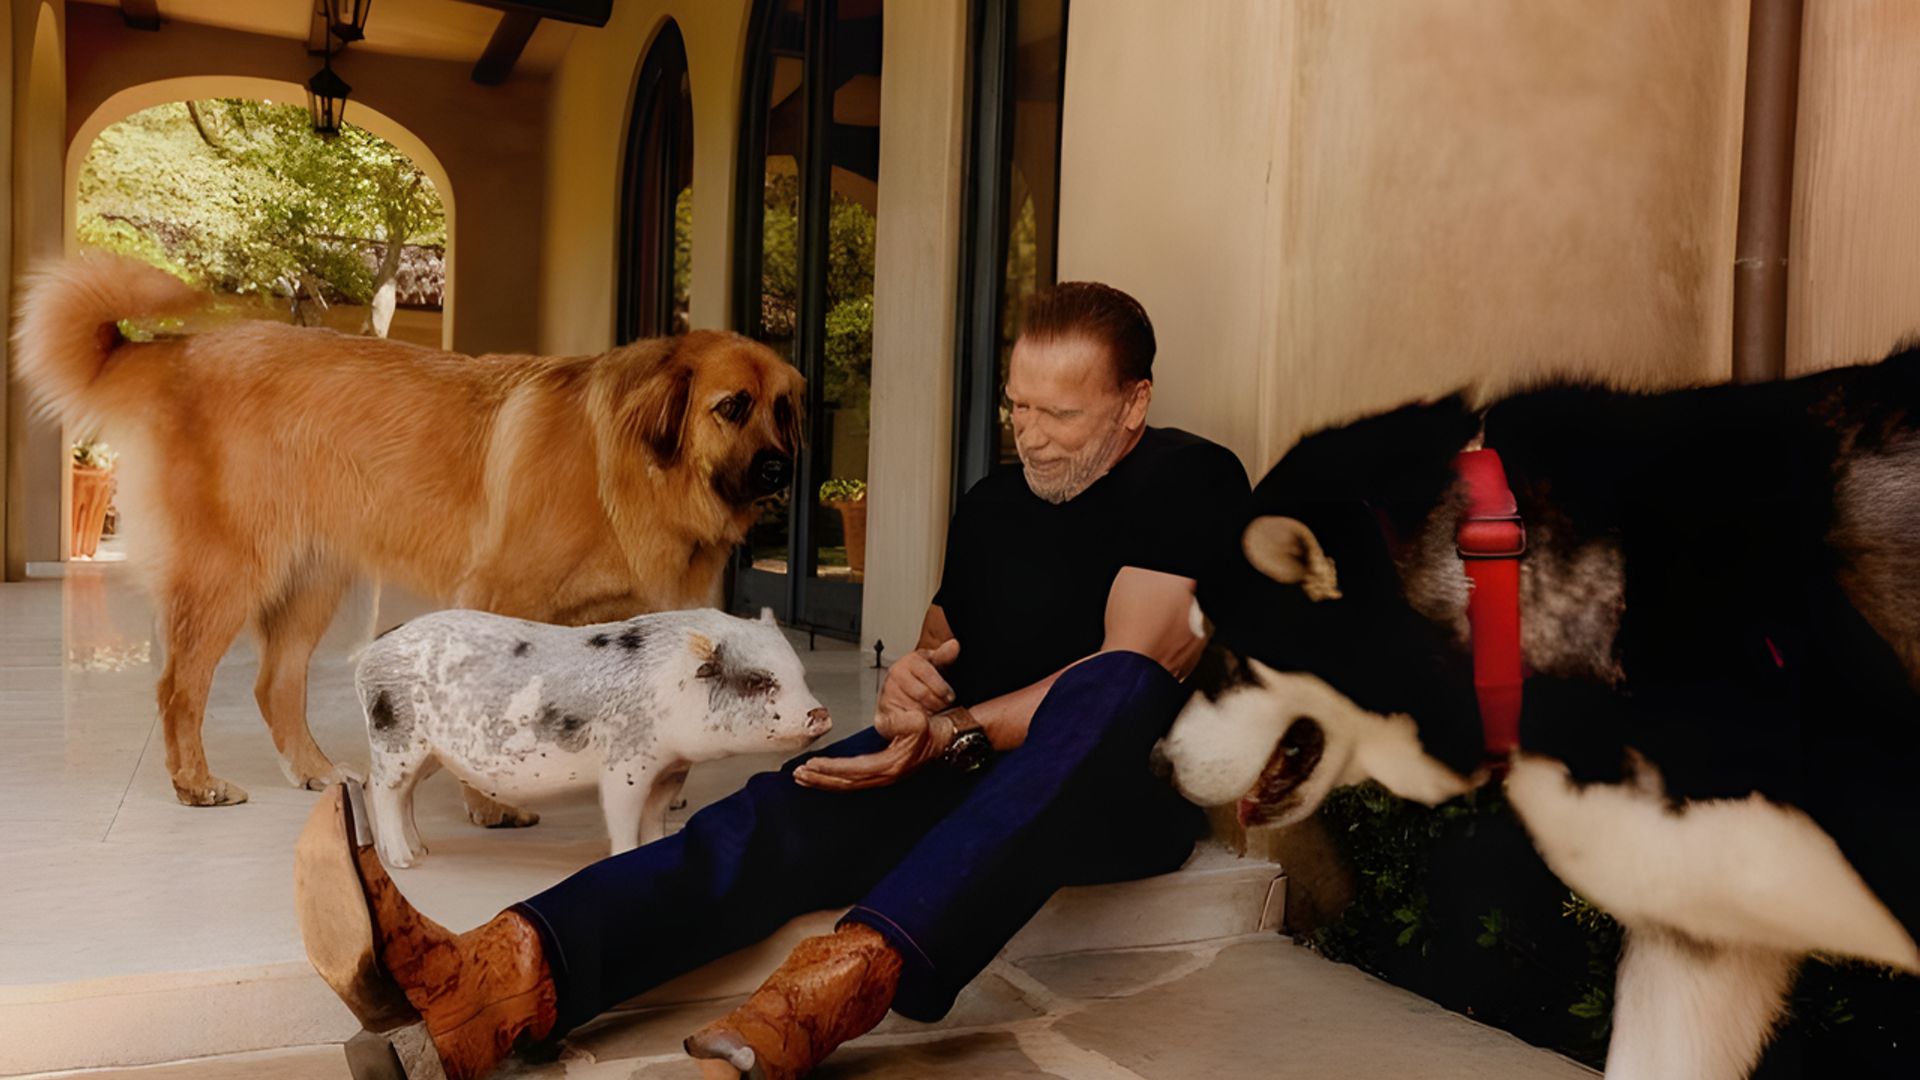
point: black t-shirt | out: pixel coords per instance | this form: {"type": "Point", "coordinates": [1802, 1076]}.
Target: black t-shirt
{"type": "Point", "coordinates": [1026, 581]}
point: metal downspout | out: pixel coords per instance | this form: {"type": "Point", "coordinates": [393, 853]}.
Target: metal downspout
{"type": "Point", "coordinates": [1766, 191]}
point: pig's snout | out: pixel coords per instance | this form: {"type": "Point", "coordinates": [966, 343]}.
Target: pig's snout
{"type": "Point", "coordinates": [819, 722]}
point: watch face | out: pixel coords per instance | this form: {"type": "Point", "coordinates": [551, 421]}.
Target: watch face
{"type": "Point", "coordinates": [969, 751]}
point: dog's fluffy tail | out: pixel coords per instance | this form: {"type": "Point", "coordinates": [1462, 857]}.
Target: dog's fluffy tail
{"type": "Point", "coordinates": [69, 328]}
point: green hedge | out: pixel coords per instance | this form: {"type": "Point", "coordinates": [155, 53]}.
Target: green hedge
{"type": "Point", "coordinates": [1454, 903]}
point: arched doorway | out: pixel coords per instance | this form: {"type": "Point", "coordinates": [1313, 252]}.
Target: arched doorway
{"type": "Point", "coordinates": [47, 481]}
{"type": "Point", "coordinates": [199, 88]}
{"type": "Point", "coordinates": [656, 196]}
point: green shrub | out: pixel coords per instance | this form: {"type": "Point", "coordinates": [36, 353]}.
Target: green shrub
{"type": "Point", "coordinates": [1453, 903]}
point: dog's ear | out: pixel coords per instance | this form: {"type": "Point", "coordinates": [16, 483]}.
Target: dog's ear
{"type": "Point", "coordinates": [1287, 551]}
{"type": "Point", "coordinates": [786, 418]}
{"type": "Point", "coordinates": [659, 410]}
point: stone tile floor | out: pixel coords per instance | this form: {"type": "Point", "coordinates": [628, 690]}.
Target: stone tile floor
{"type": "Point", "coordinates": [1240, 1008]}
{"type": "Point", "coordinates": [107, 875]}
{"type": "Point", "coordinates": [103, 876]}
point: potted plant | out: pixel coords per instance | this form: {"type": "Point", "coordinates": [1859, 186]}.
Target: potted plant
{"type": "Point", "coordinates": [92, 493]}
{"type": "Point", "coordinates": [850, 498]}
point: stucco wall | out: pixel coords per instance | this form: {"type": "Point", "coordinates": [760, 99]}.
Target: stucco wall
{"type": "Point", "coordinates": [490, 141]}
{"type": "Point", "coordinates": [1329, 208]}
{"type": "Point", "coordinates": [1854, 254]}
{"type": "Point", "coordinates": [916, 282]}
{"type": "Point", "coordinates": [35, 461]}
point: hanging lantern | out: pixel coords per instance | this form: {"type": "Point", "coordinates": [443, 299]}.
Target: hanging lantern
{"type": "Point", "coordinates": [326, 101]}
{"type": "Point", "coordinates": [347, 19]}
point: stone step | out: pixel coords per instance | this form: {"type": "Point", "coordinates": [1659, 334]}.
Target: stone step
{"type": "Point", "coordinates": [136, 1020]}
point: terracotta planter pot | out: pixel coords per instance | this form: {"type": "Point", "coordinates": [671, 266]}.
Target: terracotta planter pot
{"type": "Point", "coordinates": [92, 492]}
{"type": "Point", "coordinates": [853, 521]}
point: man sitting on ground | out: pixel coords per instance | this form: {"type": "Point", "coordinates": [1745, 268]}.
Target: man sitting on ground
{"type": "Point", "coordinates": [1008, 757]}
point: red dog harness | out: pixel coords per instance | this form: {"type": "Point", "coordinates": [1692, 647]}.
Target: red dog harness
{"type": "Point", "coordinates": [1491, 539]}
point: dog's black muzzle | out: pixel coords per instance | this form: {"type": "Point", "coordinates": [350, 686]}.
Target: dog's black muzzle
{"type": "Point", "coordinates": [770, 472]}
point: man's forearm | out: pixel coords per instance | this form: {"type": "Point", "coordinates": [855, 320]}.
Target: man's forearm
{"type": "Point", "coordinates": [1006, 717]}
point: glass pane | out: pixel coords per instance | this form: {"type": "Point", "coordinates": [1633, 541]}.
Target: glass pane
{"type": "Point", "coordinates": [681, 319]}
{"type": "Point", "coordinates": [840, 509]}
{"type": "Point", "coordinates": [1034, 174]}
{"type": "Point", "coordinates": [780, 234]}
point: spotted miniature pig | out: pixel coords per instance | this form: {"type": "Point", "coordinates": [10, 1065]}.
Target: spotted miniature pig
{"type": "Point", "coordinates": [521, 710]}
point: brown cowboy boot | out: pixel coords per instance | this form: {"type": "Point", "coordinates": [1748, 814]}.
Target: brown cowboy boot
{"type": "Point", "coordinates": [833, 988]}
{"type": "Point", "coordinates": [477, 992]}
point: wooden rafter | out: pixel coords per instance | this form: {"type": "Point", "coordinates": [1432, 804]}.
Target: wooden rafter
{"type": "Point", "coordinates": [141, 14]}
{"type": "Point", "coordinates": [503, 49]}
{"type": "Point", "coordinates": [518, 20]}
{"type": "Point", "coordinates": [582, 12]}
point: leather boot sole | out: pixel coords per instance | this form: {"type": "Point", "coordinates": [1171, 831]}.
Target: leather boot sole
{"type": "Point", "coordinates": [332, 906]}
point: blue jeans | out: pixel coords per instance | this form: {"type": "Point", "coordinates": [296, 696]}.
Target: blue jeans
{"type": "Point", "coordinates": [946, 866]}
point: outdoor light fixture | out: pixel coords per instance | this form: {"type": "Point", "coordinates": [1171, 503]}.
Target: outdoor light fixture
{"type": "Point", "coordinates": [327, 100]}
{"type": "Point", "coordinates": [347, 19]}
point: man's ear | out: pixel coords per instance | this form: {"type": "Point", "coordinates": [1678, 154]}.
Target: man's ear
{"type": "Point", "coordinates": [1139, 399]}
{"type": "Point", "coordinates": [658, 408]}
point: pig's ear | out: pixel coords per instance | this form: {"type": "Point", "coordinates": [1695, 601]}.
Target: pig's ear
{"type": "Point", "coordinates": [707, 651]}
{"type": "Point", "coordinates": [766, 616]}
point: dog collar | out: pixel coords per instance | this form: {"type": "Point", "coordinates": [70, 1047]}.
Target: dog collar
{"type": "Point", "coordinates": [1490, 539]}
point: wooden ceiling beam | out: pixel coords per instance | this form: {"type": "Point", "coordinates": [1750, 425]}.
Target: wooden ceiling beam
{"type": "Point", "coordinates": [141, 14]}
{"type": "Point", "coordinates": [503, 49]}
{"type": "Point", "coordinates": [580, 12]}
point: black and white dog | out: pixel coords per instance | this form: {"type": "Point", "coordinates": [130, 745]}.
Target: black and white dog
{"type": "Point", "coordinates": [1720, 623]}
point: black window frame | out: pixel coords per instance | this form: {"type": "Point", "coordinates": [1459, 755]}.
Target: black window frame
{"type": "Point", "coordinates": [659, 124]}
{"type": "Point", "coordinates": [988, 177]}
{"type": "Point", "coordinates": [798, 597]}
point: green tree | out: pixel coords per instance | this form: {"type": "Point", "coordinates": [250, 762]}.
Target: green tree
{"type": "Point", "coordinates": [243, 196]}
{"type": "Point", "coordinates": [849, 316]}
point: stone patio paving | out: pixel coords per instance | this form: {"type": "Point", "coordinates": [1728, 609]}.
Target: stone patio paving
{"type": "Point", "coordinates": [1247, 1007]}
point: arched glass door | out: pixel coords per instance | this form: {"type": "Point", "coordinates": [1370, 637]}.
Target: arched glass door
{"type": "Point", "coordinates": [656, 204]}
{"type": "Point", "coordinates": [807, 193]}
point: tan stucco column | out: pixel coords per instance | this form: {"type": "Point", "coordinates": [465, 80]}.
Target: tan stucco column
{"type": "Point", "coordinates": [916, 285]}
{"type": "Point", "coordinates": [35, 462]}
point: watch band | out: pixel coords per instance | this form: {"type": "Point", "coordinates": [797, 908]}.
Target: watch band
{"type": "Point", "coordinates": [969, 748]}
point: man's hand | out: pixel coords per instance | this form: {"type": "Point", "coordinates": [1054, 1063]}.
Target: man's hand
{"type": "Point", "coordinates": [915, 738]}
{"type": "Point", "coordinates": [914, 683]}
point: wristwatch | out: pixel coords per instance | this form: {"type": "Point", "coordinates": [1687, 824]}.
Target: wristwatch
{"type": "Point", "coordinates": [970, 749]}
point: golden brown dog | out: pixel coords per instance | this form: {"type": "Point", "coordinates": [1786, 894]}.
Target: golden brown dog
{"type": "Point", "coordinates": [286, 461]}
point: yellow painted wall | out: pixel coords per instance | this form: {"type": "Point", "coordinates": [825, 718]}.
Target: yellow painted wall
{"type": "Point", "coordinates": [1330, 207]}
{"type": "Point", "coordinates": [592, 96]}
{"type": "Point", "coordinates": [36, 463]}
{"type": "Point", "coordinates": [12, 556]}
{"type": "Point", "coordinates": [916, 283]}
{"type": "Point", "coordinates": [1854, 254]}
